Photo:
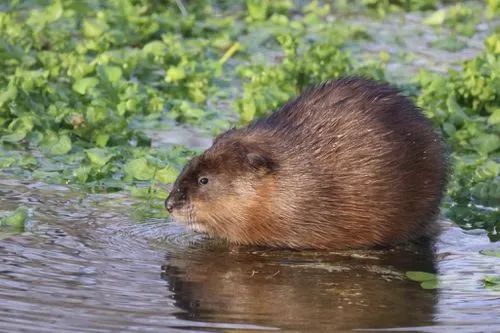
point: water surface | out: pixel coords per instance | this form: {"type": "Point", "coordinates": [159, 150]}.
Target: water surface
{"type": "Point", "coordinates": [85, 264]}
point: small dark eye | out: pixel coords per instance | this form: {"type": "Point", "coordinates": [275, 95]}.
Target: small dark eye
{"type": "Point", "coordinates": [203, 181]}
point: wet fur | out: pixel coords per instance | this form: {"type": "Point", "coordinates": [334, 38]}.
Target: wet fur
{"type": "Point", "coordinates": [348, 164]}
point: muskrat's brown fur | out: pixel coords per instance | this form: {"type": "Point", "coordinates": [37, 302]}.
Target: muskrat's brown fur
{"type": "Point", "coordinates": [347, 164]}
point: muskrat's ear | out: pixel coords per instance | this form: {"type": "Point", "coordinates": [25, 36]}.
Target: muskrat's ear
{"type": "Point", "coordinates": [255, 157]}
{"type": "Point", "coordinates": [260, 161]}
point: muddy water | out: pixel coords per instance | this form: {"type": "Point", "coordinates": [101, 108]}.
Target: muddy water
{"type": "Point", "coordinates": [85, 265]}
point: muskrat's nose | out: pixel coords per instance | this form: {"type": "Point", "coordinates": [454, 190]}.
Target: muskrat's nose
{"type": "Point", "coordinates": [169, 205]}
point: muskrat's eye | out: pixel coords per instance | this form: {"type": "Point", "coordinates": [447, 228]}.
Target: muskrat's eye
{"type": "Point", "coordinates": [203, 181]}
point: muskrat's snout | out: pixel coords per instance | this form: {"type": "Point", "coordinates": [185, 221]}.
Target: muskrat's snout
{"type": "Point", "coordinates": [169, 206]}
{"type": "Point", "coordinates": [175, 199]}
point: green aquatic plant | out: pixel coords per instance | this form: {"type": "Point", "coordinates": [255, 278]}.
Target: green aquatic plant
{"type": "Point", "coordinates": [461, 18]}
{"type": "Point", "coordinates": [426, 280]}
{"type": "Point", "coordinates": [265, 87]}
{"type": "Point", "coordinates": [384, 7]}
{"type": "Point", "coordinates": [75, 96]}
{"type": "Point", "coordinates": [492, 282]}
{"type": "Point", "coordinates": [81, 81]}
{"type": "Point", "coordinates": [466, 106]}
{"type": "Point", "coordinates": [15, 220]}
{"type": "Point", "coordinates": [493, 8]}
{"type": "Point", "coordinates": [490, 253]}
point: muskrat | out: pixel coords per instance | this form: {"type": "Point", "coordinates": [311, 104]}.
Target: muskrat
{"type": "Point", "coordinates": [350, 163]}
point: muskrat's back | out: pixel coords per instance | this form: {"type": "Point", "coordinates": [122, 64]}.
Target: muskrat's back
{"type": "Point", "coordinates": [350, 163]}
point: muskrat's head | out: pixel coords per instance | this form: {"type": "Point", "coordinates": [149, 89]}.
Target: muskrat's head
{"type": "Point", "coordinates": [217, 191]}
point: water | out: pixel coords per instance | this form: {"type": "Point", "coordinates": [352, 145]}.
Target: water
{"type": "Point", "coordinates": [87, 265]}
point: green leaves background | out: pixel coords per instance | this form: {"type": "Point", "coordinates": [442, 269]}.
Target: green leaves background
{"type": "Point", "coordinates": [81, 80]}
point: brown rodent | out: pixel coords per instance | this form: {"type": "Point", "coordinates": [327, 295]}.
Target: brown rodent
{"type": "Point", "coordinates": [348, 164]}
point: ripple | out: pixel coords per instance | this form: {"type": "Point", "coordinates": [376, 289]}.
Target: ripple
{"type": "Point", "coordinates": [87, 265]}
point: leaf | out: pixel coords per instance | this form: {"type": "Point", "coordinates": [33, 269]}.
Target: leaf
{"type": "Point", "coordinates": [494, 119]}
{"type": "Point", "coordinates": [420, 276]}
{"type": "Point", "coordinates": [101, 140]}
{"type": "Point", "coordinates": [61, 146]}
{"type": "Point", "coordinates": [6, 162]}
{"type": "Point", "coordinates": [248, 110]}
{"type": "Point", "coordinates": [491, 281]}
{"type": "Point", "coordinates": [22, 124]}
{"type": "Point", "coordinates": [8, 95]}
{"type": "Point", "coordinates": [98, 156]}
{"type": "Point", "coordinates": [257, 9]}
{"type": "Point", "coordinates": [427, 280]}
{"type": "Point", "coordinates": [167, 175]}
{"type": "Point", "coordinates": [449, 129]}
{"type": "Point", "coordinates": [449, 44]}
{"type": "Point", "coordinates": [82, 173]}
{"type": "Point", "coordinates": [48, 176]}
{"type": "Point", "coordinates": [491, 253]}
{"type": "Point", "coordinates": [156, 47]}
{"type": "Point", "coordinates": [93, 28]}
{"type": "Point", "coordinates": [487, 193]}
{"type": "Point", "coordinates": [175, 74]}
{"type": "Point", "coordinates": [113, 73]}
{"type": "Point", "coordinates": [431, 284]}
{"type": "Point", "coordinates": [14, 137]}
{"type": "Point", "coordinates": [54, 11]}
{"type": "Point", "coordinates": [488, 170]}
{"type": "Point", "coordinates": [81, 86]}
{"type": "Point", "coordinates": [139, 169]}
{"type": "Point", "coordinates": [485, 143]}
{"type": "Point", "coordinates": [16, 219]}
{"type": "Point", "coordinates": [28, 161]}
{"type": "Point", "coordinates": [436, 18]}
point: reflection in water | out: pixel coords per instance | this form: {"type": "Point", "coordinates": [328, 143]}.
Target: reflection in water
{"type": "Point", "coordinates": [301, 291]}
{"type": "Point", "coordinates": [85, 265]}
